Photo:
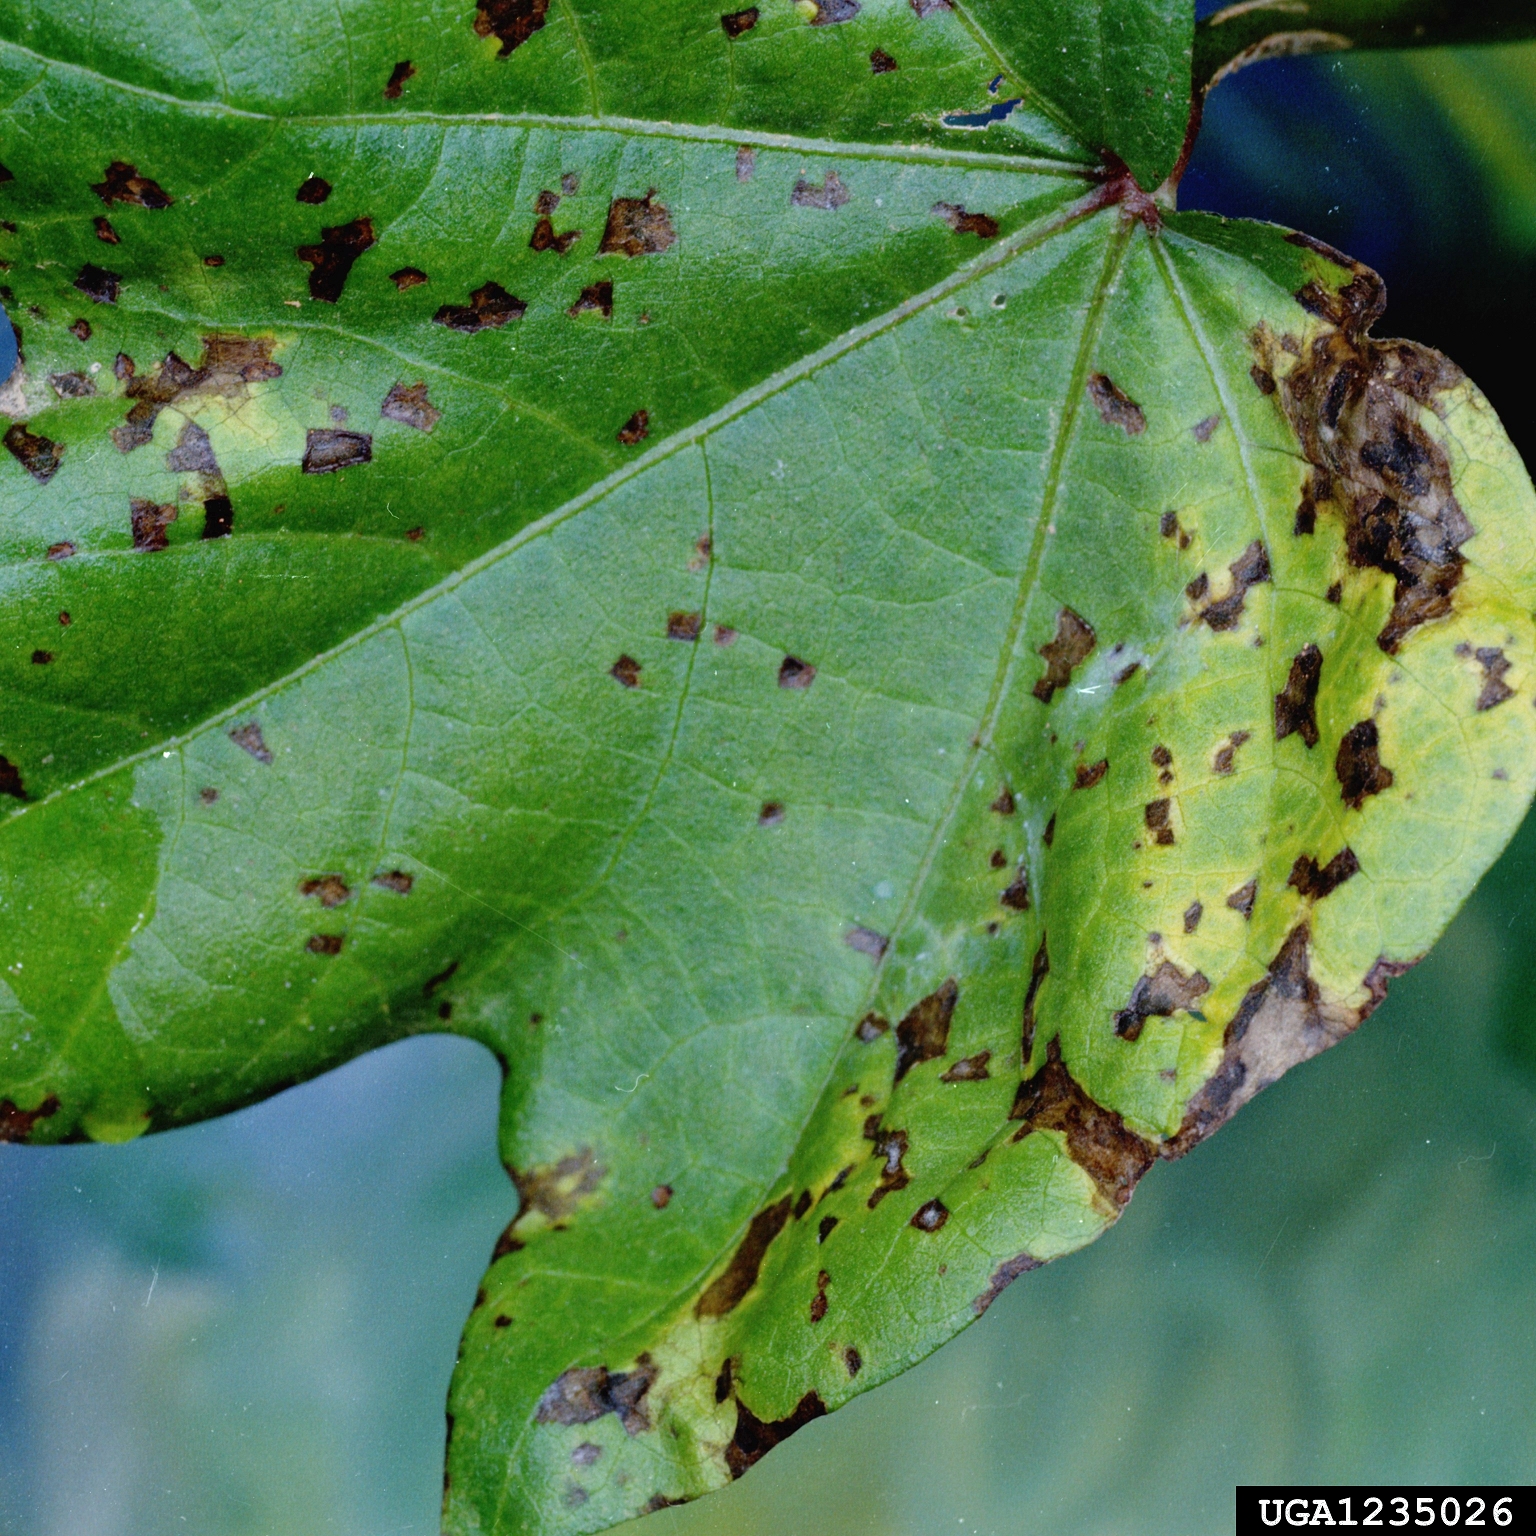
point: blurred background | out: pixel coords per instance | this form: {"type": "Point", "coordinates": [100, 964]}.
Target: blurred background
{"type": "Point", "coordinates": [247, 1328]}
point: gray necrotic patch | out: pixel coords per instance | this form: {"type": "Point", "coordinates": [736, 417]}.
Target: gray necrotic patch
{"type": "Point", "coordinates": [587, 1393]}
{"type": "Point", "coordinates": [1167, 991]}
{"type": "Point", "coordinates": [827, 194]}
{"type": "Point", "coordinates": [327, 449]}
{"type": "Point", "coordinates": [149, 521]}
{"type": "Point", "coordinates": [408, 404]}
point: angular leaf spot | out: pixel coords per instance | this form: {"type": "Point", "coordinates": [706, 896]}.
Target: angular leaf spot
{"type": "Point", "coordinates": [637, 226]}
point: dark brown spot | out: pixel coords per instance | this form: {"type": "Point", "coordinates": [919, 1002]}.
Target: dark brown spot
{"type": "Point", "coordinates": [684, 626]}
{"type": "Point", "coordinates": [661, 1501]}
{"type": "Point", "coordinates": [1358, 765]}
{"type": "Point", "coordinates": [80, 330]}
{"type": "Point", "coordinates": [1005, 804]}
{"type": "Point", "coordinates": [544, 238]}
{"type": "Point", "coordinates": [1313, 881]}
{"type": "Point", "coordinates": [931, 1216]}
{"type": "Point", "coordinates": [1159, 824]}
{"type": "Point", "coordinates": [727, 1290]}
{"type": "Point", "coordinates": [626, 670]}
{"type": "Point", "coordinates": [123, 184]}
{"type": "Point", "coordinates": [735, 23]}
{"type": "Point", "coordinates": [1242, 899]}
{"type": "Point", "coordinates": [99, 285]}
{"type": "Point", "coordinates": [1225, 760]}
{"type": "Point", "coordinates": [803, 1204]}
{"type": "Point", "coordinates": [249, 739]}
{"type": "Point", "coordinates": [635, 430]}
{"type": "Point", "coordinates": [890, 1147]}
{"type": "Point", "coordinates": [1115, 407]}
{"type": "Point", "coordinates": [1038, 971]}
{"type": "Point", "coordinates": [1098, 1140]}
{"type": "Point", "coordinates": [1263, 379]}
{"type": "Point", "coordinates": [408, 404]}
{"type": "Point", "coordinates": [1086, 775]}
{"type": "Point", "coordinates": [326, 449]}
{"type": "Point", "coordinates": [867, 942]}
{"type": "Point", "coordinates": [415, 535]}
{"type": "Point", "coordinates": [1202, 429]}
{"type": "Point", "coordinates": [970, 1069]}
{"type": "Point", "coordinates": [324, 944]}
{"type": "Point", "coordinates": [208, 796]}
{"type": "Point", "coordinates": [331, 890]}
{"type": "Point", "coordinates": [586, 1393]}
{"type": "Point", "coordinates": [149, 520]}
{"type": "Point", "coordinates": [596, 298]}
{"type": "Point", "coordinates": [827, 194]}
{"type": "Point", "coordinates": [104, 231]}
{"type": "Point", "coordinates": [36, 454]}
{"type": "Point", "coordinates": [408, 277]}
{"type": "Point", "coordinates": [64, 618]}
{"type": "Point", "coordinates": [396, 880]}
{"type": "Point", "coordinates": [881, 63]}
{"type": "Point", "coordinates": [10, 780]}
{"type": "Point", "coordinates": [794, 673]}
{"type": "Point", "coordinates": [1283, 1020]}
{"type": "Point", "coordinates": [1049, 835]}
{"type": "Point", "coordinates": [637, 226]}
{"type": "Point", "coordinates": [331, 261]}
{"type": "Point", "coordinates": [501, 1320]}
{"type": "Point", "coordinates": [1167, 991]}
{"type": "Point", "coordinates": [1494, 664]}
{"type": "Point", "coordinates": [1248, 570]}
{"type": "Point", "coordinates": [1296, 703]}
{"type": "Point", "coordinates": [511, 22]}
{"type": "Point", "coordinates": [1002, 1277]}
{"type": "Point", "coordinates": [61, 551]}
{"type": "Point", "coordinates": [314, 191]}
{"type": "Point", "coordinates": [982, 225]}
{"type": "Point", "coordinates": [402, 72]}
{"type": "Point", "coordinates": [853, 1361]}
{"type": "Point", "coordinates": [490, 307]}
{"type": "Point", "coordinates": [824, 1228]}
{"type": "Point", "coordinates": [661, 1196]}
{"type": "Point", "coordinates": [1335, 593]}
{"type": "Point", "coordinates": [1016, 896]}
{"type": "Point", "coordinates": [42, 658]}
{"type": "Point", "coordinates": [15, 1123]}
{"type": "Point", "coordinates": [923, 1033]}
{"type": "Point", "coordinates": [819, 1300]}
{"type": "Point", "coordinates": [771, 814]}
{"type": "Point", "coordinates": [754, 1439]}
{"type": "Point", "coordinates": [1192, 915]}
{"type": "Point", "coordinates": [871, 1027]}
{"type": "Point", "coordinates": [1073, 641]}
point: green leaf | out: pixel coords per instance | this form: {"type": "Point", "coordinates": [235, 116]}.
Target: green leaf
{"type": "Point", "coordinates": [889, 680]}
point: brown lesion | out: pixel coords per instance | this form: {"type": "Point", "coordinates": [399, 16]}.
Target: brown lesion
{"type": "Point", "coordinates": [726, 1292]}
{"type": "Point", "coordinates": [982, 225]}
{"type": "Point", "coordinates": [1358, 765]}
{"type": "Point", "coordinates": [1296, 703]}
{"type": "Point", "coordinates": [1313, 881]}
{"type": "Point", "coordinates": [1495, 667]}
{"type": "Point", "coordinates": [585, 1394]}
{"type": "Point", "coordinates": [228, 367]}
{"type": "Point", "coordinates": [1115, 407]}
{"type": "Point", "coordinates": [1067, 649]}
{"type": "Point", "coordinates": [17, 1124]}
{"type": "Point", "coordinates": [122, 183]}
{"type": "Point", "coordinates": [1355, 405]}
{"type": "Point", "coordinates": [637, 226]}
{"type": "Point", "coordinates": [511, 22]}
{"type": "Point", "coordinates": [1250, 569]}
{"type": "Point", "coordinates": [331, 261]}
{"type": "Point", "coordinates": [923, 1033]}
{"type": "Point", "coordinates": [1098, 1139]}
{"type": "Point", "coordinates": [40, 456]}
{"type": "Point", "coordinates": [1167, 991]}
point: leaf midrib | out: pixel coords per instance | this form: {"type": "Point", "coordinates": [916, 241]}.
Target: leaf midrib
{"type": "Point", "coordinates": [1031, 235]}
{"type": "Point", "coordinates": [709, 133]}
